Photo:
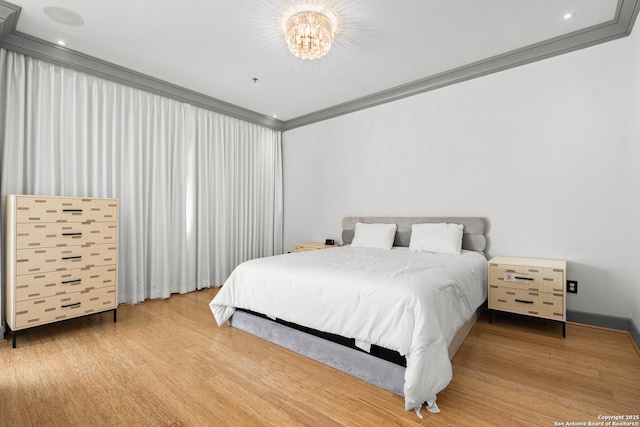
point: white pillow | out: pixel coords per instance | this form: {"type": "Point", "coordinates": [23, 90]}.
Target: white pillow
{"type": "Point", "coordinates": [437, 238]}
{"type": "Point", "coordinates": [374, 235]}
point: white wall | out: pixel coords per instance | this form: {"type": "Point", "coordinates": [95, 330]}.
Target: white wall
{"type": "Point", "coordinates": [541, 151]}
{"type": "Point", "coordinates": [634, 159]}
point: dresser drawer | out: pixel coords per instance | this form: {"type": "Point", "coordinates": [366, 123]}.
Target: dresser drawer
{"type": "Point", "coordinates": [63, 282]}
{"type": "Point", "coordinates": [62, 209]}
{"type": "Point", "coordinates": [45, 310]}
{"type": "Point", "coordinates": [31, 261]}
{"type": "Point", "coordinates": [536, 279]}
{"type": "Point", "coordinates": [52, 234]}
{"type": "Point", "coordinates": [541, 304]}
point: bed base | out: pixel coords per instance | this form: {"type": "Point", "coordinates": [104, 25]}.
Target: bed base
{"type": "Point", "coordinates": [371, 369]}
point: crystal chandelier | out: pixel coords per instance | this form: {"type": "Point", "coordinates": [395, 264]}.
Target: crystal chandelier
{"type": "Point", "coordinates": [309, 34]}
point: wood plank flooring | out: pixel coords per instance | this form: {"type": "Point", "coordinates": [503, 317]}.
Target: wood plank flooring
{"type": "Point", "coordinates": [166, 363]}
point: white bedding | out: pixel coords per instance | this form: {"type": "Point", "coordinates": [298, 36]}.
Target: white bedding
{"type": "Point", "coordinates": [402, 300]}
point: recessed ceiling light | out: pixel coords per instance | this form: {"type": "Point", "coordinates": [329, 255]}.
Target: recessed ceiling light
{"type": "Point", "coordinates": [568, 15]}
{"type": "Point", "coordinates": [61, 43]}
{"type": "Point", "coordinates": [64, 16]}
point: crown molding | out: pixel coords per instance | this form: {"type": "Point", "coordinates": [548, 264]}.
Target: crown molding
{"type": "Point", "coordinates": [8, 17]}
{"type": "Point", "coordinates": [620, 26]}
{"type": "Point", "coordinates": [13, 40]}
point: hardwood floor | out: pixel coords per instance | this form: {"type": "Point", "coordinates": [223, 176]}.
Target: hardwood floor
{"type": "Point", "coordinates": [166, 363]}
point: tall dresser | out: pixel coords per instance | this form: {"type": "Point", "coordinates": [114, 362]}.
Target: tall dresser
{"type": "Point", "coordinates": [62, 255]}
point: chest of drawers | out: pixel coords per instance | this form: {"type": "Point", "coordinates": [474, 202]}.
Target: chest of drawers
{"type": "Point", "coordinates": [61, 259]}
{"type": "Point", "coordinates": [529, 286]}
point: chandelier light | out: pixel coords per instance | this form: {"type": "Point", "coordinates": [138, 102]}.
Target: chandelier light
{"type": "Point", "coordinates": [309, 33]}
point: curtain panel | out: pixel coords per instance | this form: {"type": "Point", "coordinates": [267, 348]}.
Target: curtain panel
{"type": "Point", "coordinates": [199, 192]}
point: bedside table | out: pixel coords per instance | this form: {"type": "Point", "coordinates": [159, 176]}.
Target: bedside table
{"type": "Point", "coordinates": [529, 286]}
{"type": "Point", "coordinates": [311, 246]}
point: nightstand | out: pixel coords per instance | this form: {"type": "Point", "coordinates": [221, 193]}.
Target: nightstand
{"type": "Point", "coordinates": [529, 286]}
{"type": "Point", "coordinates": [311, 246]}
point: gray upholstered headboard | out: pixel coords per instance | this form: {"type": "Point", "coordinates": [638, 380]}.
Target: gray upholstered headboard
{"type": "Point", "coordinates": [473, 238]}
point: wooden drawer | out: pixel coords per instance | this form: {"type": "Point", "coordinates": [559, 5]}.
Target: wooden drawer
{"type": "Point", "coordinates": [43, 285]}
{"type": "Point", "coordinates": [45, 310]}
{"type": "Point", "coordinates": [536, 279]}
{"type": "Point", "coordinates": [52, 234]}
{"type": "Point", "coordinates": [31, 261]}
{"type": "Point", "coordinates": [541, 304]}
{"type": "Point", "coordinates": [62, 209]}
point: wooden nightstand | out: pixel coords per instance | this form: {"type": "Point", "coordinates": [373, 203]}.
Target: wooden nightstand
{"type": "Point", "coordinates": [311, 246]}
{"type": "Point", "coordinates": [530, 286]}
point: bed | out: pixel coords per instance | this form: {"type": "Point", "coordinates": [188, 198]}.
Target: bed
{"type": "Point", "coordinates": [393, 317]}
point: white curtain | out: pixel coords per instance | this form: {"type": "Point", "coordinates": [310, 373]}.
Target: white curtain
{"type": "Point", "coordinates": [199, 192]}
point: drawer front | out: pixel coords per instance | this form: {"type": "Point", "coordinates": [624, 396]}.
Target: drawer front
{"type": "Point", "coordinates": [52, 234]}
{"type": "Point", "coordinates": [303, 248]}
{"type": "Point", "coordinates": [528, 278]}
{"type": "Point", "coordinates": [540, 304]}
{"type": "Point", "coordinates": [45, 310]}
{"type": "Point", "coordinates": [61, 209]}
{"type": "Point", "coordinates": [31, 261]}
{"type": "Point", "coordinates": [63, 282]}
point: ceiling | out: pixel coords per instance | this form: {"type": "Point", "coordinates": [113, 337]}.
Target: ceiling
{"type": "Point", "coordinates": [383, 49]}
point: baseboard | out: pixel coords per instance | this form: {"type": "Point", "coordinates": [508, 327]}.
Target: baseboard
{"type": "Point", "coordinates": [635, 333]}
{"type": "Point", "coordinates": [606, 321]}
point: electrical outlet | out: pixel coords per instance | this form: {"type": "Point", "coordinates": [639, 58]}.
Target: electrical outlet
{"type": "Point", "coordinates": [572, 286]}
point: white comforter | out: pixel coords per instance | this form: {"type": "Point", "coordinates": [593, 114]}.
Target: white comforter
{"type": "Point", "coordinates": [398, 299]}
